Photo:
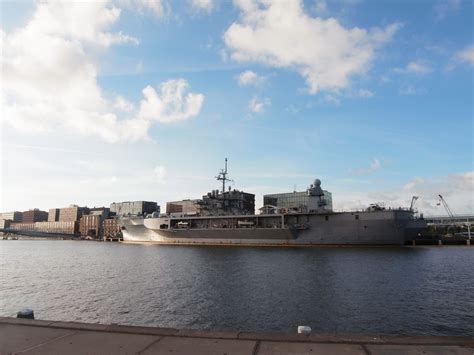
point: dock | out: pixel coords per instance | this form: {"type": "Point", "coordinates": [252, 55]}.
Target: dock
{"type": "Point", "coordinates": [27, 336]}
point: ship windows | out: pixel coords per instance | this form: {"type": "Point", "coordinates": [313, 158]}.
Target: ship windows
{"type": "Point", "coordinates": [356, 216]}
{"type": "Point", "coordinates": [327, 218]}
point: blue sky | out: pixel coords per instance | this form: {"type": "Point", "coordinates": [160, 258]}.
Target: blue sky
{"type": "Point", "coordinates": [125, 100]}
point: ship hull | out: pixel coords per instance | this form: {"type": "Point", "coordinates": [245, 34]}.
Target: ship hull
{"type": "Point", "coordinates": [390, 227]}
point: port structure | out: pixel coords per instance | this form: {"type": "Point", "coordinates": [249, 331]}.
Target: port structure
{"type": "Point", "coordinates": [413, 201]}
{"type": "Point", "coordinates": [446, 207]}
{"type": "Point", "coordinates": [222, 176]}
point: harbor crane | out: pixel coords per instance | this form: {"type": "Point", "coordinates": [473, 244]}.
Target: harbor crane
{"type": "Point", "coordinates": [446, 207]}
{"type": "Point", "coordinates": [451, 215]}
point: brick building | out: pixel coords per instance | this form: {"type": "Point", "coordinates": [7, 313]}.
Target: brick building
{"type": "Point", "coordinates": [72, 213]}
{"type": "Point", "coordinates": [111, 228]}
{"type": "Point", "coordinates": [53, 215]}
{"type": "Point", "coordinates": [33, 216]}
{"type": "Point", "coordinates": [91, 226]}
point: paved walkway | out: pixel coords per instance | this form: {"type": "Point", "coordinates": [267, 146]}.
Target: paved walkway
{"type": "Point", "coordinates": [50, 337]}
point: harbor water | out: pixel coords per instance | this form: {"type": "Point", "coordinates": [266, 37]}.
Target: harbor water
{"type": "Point", "coordinates": [391, 291]}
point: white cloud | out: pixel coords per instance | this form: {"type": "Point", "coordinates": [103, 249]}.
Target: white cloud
{"type": "Point", "coordinates": [49, 77]}
{"type": "Point", "coordinates": [329, 99]}
{"type": "Point", "coordinates": [280, 34]}
{"type": "Point", "coordinates": [410, 90]}
{"type": "Point", "coordinates": [84, 22]}
{"type": "Point", "coordinates": [123, 104]}
{"type": "Point", "coordinates": [365, 93]}
{"type": "Point", "coordinates": [466, 55]}
{"type": "Point", "coordinates": [258, 106]}
{"type": "Point", "coordinates": [321, 7]}
{"type": "Point", "coordinates": [173, 103]}
{"type": "Point", "coordinates": [444, 8]}
{"type": "Point", "coordinates": [249, 77]}
{"type": "Point", "coordinates": [143, 7]}
{"type": "Point", "coordinates": [374, 166]}
{"type": "Point", "coordinates": [416, 67]}
{"type": "Point", "coordinates": [160, 173]}
{"type": "Point", "coordinates": [457, 190]}
{"type": "Point", "coordinates": [203, 5]}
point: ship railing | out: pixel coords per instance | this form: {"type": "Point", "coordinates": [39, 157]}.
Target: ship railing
{"type": "Point", "coordinates": [359, 210]}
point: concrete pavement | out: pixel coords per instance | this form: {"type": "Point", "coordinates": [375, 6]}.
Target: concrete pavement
{"type": "Point", "coordinates": [24, 336]}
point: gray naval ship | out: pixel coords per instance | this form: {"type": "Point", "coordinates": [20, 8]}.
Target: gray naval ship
{"type": "Point", "coordinates": [227, 217]}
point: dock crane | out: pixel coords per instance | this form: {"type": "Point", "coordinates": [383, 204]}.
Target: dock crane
{"type": "Point", "coordinates": [446, 207]}
{"type": "Point", "coordinates": [451, 214]}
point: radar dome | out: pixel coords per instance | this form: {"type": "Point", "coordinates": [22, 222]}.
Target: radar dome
{"type": "Point", "coordinates": [317, 182]}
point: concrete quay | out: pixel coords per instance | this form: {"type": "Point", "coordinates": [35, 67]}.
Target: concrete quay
{"type": "Point", "coordinates": [24, 336]}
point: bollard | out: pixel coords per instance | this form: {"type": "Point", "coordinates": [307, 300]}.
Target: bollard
{"type": "Point", "coordinates": [26, 313]}
{"type": "Point", "coordinates": [304, 329]}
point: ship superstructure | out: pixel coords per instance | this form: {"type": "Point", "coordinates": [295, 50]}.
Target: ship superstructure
{"type": "Point", "coordinates": [227, 218]}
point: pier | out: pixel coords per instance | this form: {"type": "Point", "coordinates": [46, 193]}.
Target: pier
{"type": "Point", "coordinates": [54, 337]}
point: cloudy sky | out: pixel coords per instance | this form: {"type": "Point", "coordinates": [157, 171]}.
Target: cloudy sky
{"type": "Point", "coordinates": [105, 101]}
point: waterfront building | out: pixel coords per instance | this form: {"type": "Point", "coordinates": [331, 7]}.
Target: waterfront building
{"type": "Point", "coordinates": [72, 213]}
{"type": "Point", "coordinates": [4, 223]}
{"type": "Point", "coordinates": [91, 225]}
{"type": "Point", "coordinates": [102, 211]}
{"type": "Point", "coordinates": [12, 216]}
{"type": "Point", "coordinates": [111, 228]}
{"type": "Point", "coordinates": [34, 215]}
{"type": "Point", "coordinates": [53, 215]}
{"type": "Point", "coordinates": [67, 228]}
{"type": "Point", "coordinates": [134, 208]}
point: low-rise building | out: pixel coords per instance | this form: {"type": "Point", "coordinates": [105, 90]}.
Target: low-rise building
{"type": "Point", "coordinates": [53, 215]}
{"type": "Point", "coordinates": [66, 228]}
{"type": "Point", "coordinates": [103, 211]}
{"type": "Point", "coordinates": [111, 228]}
{"type": "Point", "coordinates": [72, 213]}
{"type": "Point", "coordinates": [34, 215]}
{"type": "Point", "coordinates": [91, 226]}
{"type": "Point", "coordinates": [4, 223]}
{"type": "Point", "coordinates": [23, 226]}
{"type": "Point", "coordinates": [12, 216]}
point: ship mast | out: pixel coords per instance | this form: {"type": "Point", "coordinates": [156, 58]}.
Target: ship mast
{"type": "Point", "coordinates": [223, 176]}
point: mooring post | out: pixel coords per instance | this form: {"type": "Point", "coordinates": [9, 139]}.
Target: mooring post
{"type": "Point", "coordinates": [26, 313]}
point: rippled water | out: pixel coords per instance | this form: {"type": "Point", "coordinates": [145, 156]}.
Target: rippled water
{"type": "Point", "coordinates": [405, 291]}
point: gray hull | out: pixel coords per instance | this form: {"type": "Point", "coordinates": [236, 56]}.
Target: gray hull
{"type": "Point", "coordinates": [389, 227]}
